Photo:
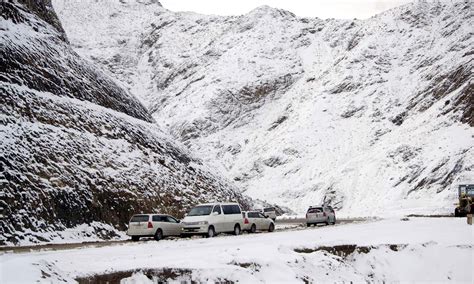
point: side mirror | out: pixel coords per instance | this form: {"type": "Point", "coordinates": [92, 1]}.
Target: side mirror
{"type": "Point", "coordinates": [266, 216]}
{"type": "Point", "coordinates": [214, 213]}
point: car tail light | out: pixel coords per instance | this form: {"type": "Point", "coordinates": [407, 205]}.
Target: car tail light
{"type": "Point", "coordinates": [246, 221]}
{"type": "Point", "coordinates": [150, 225]}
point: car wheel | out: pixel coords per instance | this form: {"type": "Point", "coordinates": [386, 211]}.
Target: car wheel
{"type": "Point", "coordinates": [271, 228]}
{"type": "Point", "coordinates": [253, 229]}
{"type": "Point", "coordinates": [135, 238]}
{"type": "Point", "coordinates": [211, 232]}
{"type": "Point", "coordinates": [236, 230]}
{"type": "Point", "coordinates": [456, 213]}
{"type": "Point", "coordinates": [308, 225]}
{"type": "Point", "coordinates": [158, 235]}
{"type": "Point", "coordinates": [327, 222]}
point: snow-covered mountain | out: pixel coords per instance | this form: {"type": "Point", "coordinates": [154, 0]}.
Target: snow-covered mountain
{"type": "Point", "coordinates": [374, 115]}
{"type": "Point", "coordinates": [76, 148]}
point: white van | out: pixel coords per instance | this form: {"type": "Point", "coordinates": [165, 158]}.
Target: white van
{"type": "Point", "coordinates": [213, 218]}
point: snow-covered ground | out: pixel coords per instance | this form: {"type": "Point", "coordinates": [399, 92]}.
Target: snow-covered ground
{"type": "Point", "coordinates": [419, 250]}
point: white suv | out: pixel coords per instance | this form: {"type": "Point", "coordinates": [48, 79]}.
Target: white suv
{"type": "Point", "coordinates": [320, 214]}
{"type": "Point", "coordinates": [270, 212]}
{"type": "Point", "coordinates": [213, 218]}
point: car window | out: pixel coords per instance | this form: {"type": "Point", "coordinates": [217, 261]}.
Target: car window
{"type": "Point", "coordinates": [329, 209]}
{"type": "Point", "coordinates": [217, 208]}
{"type": "Point", "coordinates": [200, 210]}
{"type": "Point", "coordinates": [159, 218]}
{"type": "Point", "coordinates": [231, 209]}
{"type": "Point", "coordinates": [257, 215]}
{"type": "Point", "coordinates": [243, 215]}
{"type": "Point", "coordinates": [315, 210]}
{"type": "Point", "coordinates": [227, 209]}
{"type": "Point", "coordinates": [139, 218]}
{"type": "Point", "coordinates": [251, 214]}
{"type": "Point", "coordinates": [171, 219]}
{"type": "Point", "coordinates": [236, 209]}
{"type": "Point", "coordinates": [270, 209]}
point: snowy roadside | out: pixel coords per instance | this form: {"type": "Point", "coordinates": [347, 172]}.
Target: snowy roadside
{"type": "Point", "coordinates": [421, 249]}
{"type": "Point", "coordinates": [99, 234]}
{"type": "Point", "coordinates": [93, 232]}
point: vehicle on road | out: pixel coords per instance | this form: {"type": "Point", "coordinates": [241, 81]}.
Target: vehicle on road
{"type": "Point", "coordinates": [270, 212]}
{"type": "Point", "coordinates": [466, 198]}
{"type": "Point", "coordinates": [320, 214]}
{"type": "Point", "coordinates": [256, 221]}
{"type": "Point", "coordinates": [210, 219]}
{"type": "Point", "coordinates": [157, 226]}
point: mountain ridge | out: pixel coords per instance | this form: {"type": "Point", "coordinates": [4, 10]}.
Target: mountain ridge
{"type": "Point", "coordinates": [372, 115]}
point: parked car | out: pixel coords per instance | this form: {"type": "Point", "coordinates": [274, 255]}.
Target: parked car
{"type": "Point", "coordinates": [320, 214]}
{"type": "Point", "coordinates": [270, 212]}
{"type": "Point", "coordinates": [256, 221]}
{"type": "Point", "coordinates": [157, 226]}
{"type": "Point", "coordinates": [211, 219]}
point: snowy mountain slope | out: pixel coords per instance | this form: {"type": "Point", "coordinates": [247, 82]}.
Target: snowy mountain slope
{"type": "Point", "coordinates": [78, 149]}
{"type": "Point", "coordinates": [375, 116]}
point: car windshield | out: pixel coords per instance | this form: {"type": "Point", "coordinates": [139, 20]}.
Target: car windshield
{"type": "Point", "coordinates": [200, 210]}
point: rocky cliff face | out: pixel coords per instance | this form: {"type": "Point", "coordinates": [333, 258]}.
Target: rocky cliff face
{"type": "Point", "coordinates": [76, 148]}
{"type": "Point", "coordinates": [374, 115]}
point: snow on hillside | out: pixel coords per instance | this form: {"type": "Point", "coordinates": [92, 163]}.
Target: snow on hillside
{"type": "Point", "coordinates": [383, 251]}
{"type": "Point", "coordinates": [79, 154]}
{"type": "Point", "coordinates": [376, 116]}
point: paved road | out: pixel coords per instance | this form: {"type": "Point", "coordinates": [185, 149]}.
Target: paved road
{"type": "Point", "coordinates": [302, 221]}
{"type": "Point", "coordinates": [281, 225]}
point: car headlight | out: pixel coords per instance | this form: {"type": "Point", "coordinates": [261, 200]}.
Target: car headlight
{"type": "Point", "coordinates": [203, 223]}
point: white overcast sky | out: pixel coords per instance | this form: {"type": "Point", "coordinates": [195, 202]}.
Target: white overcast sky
{"type": "Point", "coordinates": [340, 9]}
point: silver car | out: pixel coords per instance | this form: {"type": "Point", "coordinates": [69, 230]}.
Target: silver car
{"type": "Point", "coordinates": [256, 221]}
{"type": "Point", "coordinates": [157, 226]}
{"type": "Point", "coordinates": [320, 214]}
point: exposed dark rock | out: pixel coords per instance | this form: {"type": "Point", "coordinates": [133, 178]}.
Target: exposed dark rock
{"type": "Point", "coordinates": [44, 10]}
{"type": "Point", "coordinates": [345, 251]}
{"type": "Point", "coordinates": [162, 275]}
{"type": "Point", "coordinates": [398, 120]}
{"type": "Point", "coordinates": [279, 121]}
{"type": "Point", "coordinates": [49, 64]}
